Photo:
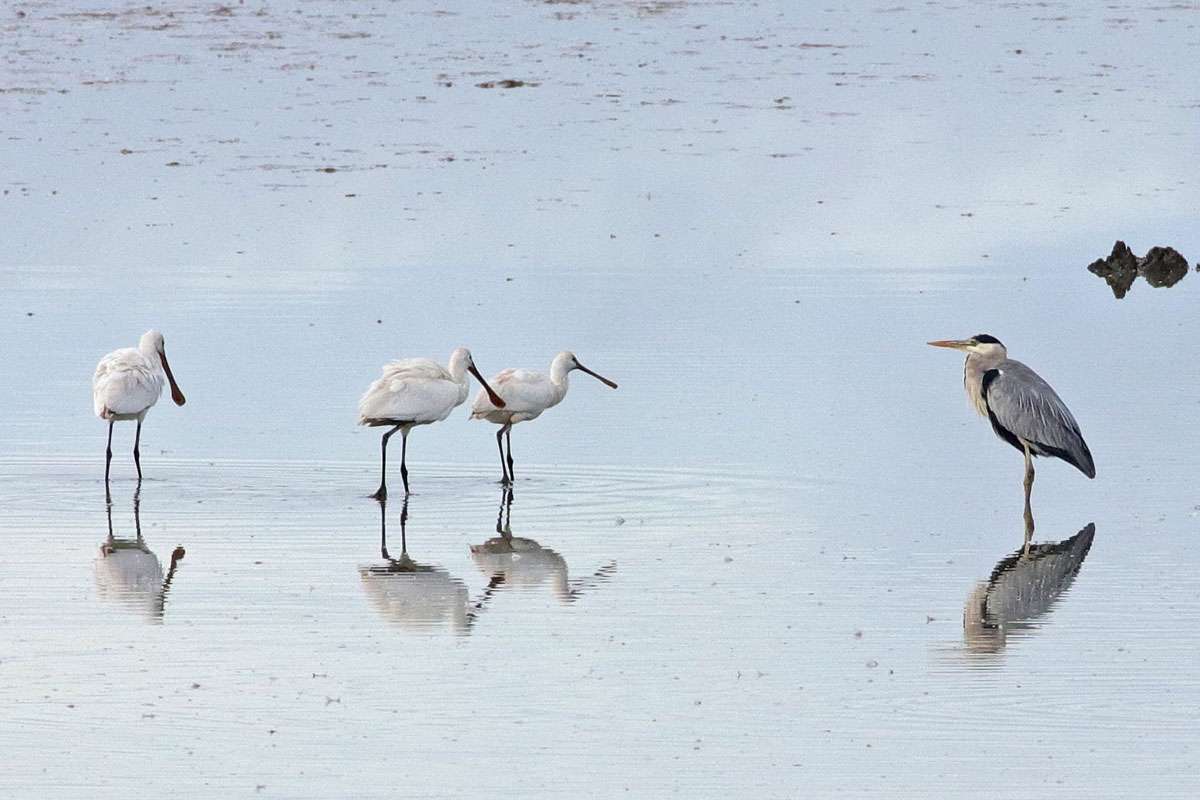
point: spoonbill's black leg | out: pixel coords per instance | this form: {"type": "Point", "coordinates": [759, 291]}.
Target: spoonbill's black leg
{"type": "Point", "coordinates": [403, 468]}
{"type": "Point", "coordinates": [108, 456]}
{"type": "Point", "coordinates": [381, 492]}
{"type": "Point", "coordinates": [512, 476]}
{"type": "Point", "coordinates": [500, 444]}
{"type": "Point", "coordinates": [137, 455]}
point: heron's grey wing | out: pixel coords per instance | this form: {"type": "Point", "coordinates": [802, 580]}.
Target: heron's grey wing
{"type": "Point", "coordinates": [1023, 407]}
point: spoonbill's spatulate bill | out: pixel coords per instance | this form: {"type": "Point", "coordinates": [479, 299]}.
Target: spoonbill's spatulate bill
{"type": "Point", "coordinates": [416, 391]}
{"type": "Point", "coordinates": [1023, 409]}
{"type": "Point", "coordinates": [127, 383]}
{"type": "Point", "coordinates": [526, 395]}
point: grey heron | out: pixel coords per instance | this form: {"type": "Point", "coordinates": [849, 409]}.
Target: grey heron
{"type": "Point", "coordinates": [1023, 409]}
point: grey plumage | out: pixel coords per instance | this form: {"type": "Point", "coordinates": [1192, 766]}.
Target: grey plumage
{"type": "Point", "coordinates": [1023, 407]}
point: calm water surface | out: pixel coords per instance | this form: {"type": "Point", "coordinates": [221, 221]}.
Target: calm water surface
{"type": "Point", "coordinates": [781, 560]}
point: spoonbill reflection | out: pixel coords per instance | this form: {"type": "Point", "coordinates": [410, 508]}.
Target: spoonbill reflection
{"type": "Point", "coordinates": [129, 572]}
{"type": "Point", "coordinates": [127, 383]}
{"type": "Point", "coordinates": [417, 596]}
{"type": "Point", "coordinates": [526, 395]}
{"type": "Point", "coordinates": [1023, 587]}
{"type": "Point", "coordinates": [1023, 409]}
{"type": "Point", "coordinates": [416, 391]}
{"type": "Point", "coordinates": [515, 561]}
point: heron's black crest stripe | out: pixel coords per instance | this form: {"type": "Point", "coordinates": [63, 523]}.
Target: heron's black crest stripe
{"type": "Point", "coordinates": [987, 338]}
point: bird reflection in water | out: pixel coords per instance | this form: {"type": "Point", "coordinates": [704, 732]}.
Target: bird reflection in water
{"type": "Point", "coordinates": [128, 572]}
{"type": "Point", "coordinates": [1022, 588]}
{"type": "Point", "coordinates": [516, 561]}
{"type": "Point", "coordinates": [417, 596]}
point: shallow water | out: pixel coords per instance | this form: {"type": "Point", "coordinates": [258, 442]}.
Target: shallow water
{"type": "Point", "coordinates": [781, 559]}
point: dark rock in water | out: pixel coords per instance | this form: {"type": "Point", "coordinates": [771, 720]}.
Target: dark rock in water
{"type": "Point", "coordinates": [1163, 266]}
{"type": "Point", "coordinates": [1118, 270]}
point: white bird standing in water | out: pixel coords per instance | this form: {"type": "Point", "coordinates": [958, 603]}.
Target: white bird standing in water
{"type": "Point", "coordinates": [526, 395]}
{"type": "Point", "coordinates": [416, 391]}
{"type": "Point", "coordinates": [127, 383]}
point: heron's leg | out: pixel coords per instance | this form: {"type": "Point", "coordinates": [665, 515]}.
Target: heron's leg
{"type": "Point", "coordinates": [381, 492]}
{"type": "Point", "coordinates": [108, 458]}
{"type": "Point", "coordinates": [512, 476]}
{"type": "Point", "coordinates": [137, 455]}
{"type": "Point", "coordinates": [1028, 492]}
{"type": "Point", "coordinates": [403, 467]}
{"type": "Point", "coordinates": [500, 444]}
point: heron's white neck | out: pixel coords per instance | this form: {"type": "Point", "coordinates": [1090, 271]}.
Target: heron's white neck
{"type": "Point", "coordinates": [973, 369]}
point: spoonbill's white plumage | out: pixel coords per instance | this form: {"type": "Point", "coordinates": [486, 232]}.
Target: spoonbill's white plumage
{"type": "Point", "coordinates": [127, 383]}
{"type": "Point", "coordinates": [416, 391]}
{"type": "Point", "coordinates": [526, 394]}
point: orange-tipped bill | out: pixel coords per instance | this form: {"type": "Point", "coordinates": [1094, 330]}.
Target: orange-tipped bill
{"type": "Point", "coordinates": [956, 344]}
{"type": "Point", "coordinates": [600, 378]}
{"type": "Point", "coordinates": [495, 398]}
{"type": "Point", "coordinates": [176, 395]}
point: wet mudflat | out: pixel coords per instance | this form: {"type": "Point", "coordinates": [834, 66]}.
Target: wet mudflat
{"type": "Point", "coordinates": [780, 559]}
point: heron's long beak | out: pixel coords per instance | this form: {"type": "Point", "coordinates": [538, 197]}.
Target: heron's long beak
{"type": "Point", "coordinates": [600, 378]}
{"type": "Point", "coordinates": [176, 395]}
{"type": "Point", "coordinates": [956, 344]}
{"type": "Point", "coordinates": [495, 398]}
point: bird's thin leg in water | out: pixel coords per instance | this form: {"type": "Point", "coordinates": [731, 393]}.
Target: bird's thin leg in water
{"type": "Point", "coordinates": [512, 476]}
{"type": "Point", "coordinates": [504, 526]}
{"type": "Point", "coordinates": [383, 551]}
{"type": "Point", "coordinates": [108, 459]}
{"type": "Point", "coordinates": [137, 455]}
{"type": "Point", "coordinates": [403, 453]}
{"type": "Point", "coordinates": [137, 513]}
{"type": "Point", "coordinates": [1028, 491]}
{"type": "Point", "coordinates": [381, 492]}
{"type": "Point", "coordinates": [404, 527]}
{"type": "Point", "coordinates": [500, 444]}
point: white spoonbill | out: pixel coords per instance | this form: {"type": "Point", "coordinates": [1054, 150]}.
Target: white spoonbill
{"type": "Point", "coordinates": [526, 395]}
{"type": "Point", "coordinates": [416, 391]}
{"type": "Point", "coordinates": [127, 383]}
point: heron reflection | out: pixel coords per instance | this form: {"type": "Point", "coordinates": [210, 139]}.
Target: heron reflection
{"type": "Point", "coordinates": [417, 596]}
{"type": "Point", "coordinates": [517, 561]}
{"type": "Point", "coordinates": [1022, 588]}
{"type": "Point", "coordinates": [128, 572]}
